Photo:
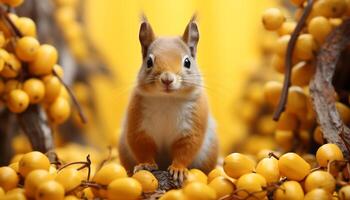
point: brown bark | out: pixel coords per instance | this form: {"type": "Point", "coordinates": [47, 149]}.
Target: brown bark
{"type": "Point", "coordinates": [323, 93]}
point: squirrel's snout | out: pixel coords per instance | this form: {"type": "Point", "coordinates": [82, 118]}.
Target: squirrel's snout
{"type": "Point", "coordinates": [167, 78]}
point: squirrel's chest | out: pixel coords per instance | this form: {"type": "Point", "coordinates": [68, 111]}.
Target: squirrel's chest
{"type": "Point", "coordinates": [166, 120]}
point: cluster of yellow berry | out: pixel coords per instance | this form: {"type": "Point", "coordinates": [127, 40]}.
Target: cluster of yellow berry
{"type": "Point", "coordinates": [66, 18]}
{"type": "Point", "coordinates": [287, 177]}
{"type": "Point", "coordinates": [29, 71]}
{"type": "Point", "coordinates": [299, 118]}
{"type": "Point", "coordinates": [254, 113]}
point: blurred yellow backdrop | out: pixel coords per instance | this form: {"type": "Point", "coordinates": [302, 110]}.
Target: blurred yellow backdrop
{"type": "Point", "coordinates": [229, 44]}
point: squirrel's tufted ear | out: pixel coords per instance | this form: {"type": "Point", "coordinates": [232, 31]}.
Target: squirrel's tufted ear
{"type": "Point", "coordinates": [191, 35]}
{"type": "Point", "coordinates": [146, 35]}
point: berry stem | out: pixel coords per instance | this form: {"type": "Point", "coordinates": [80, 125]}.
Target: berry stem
{"type": "Point", "coordinates": [288, 60]}
{"type": "Point", "coordinates": [72, 163]}
{"type": "Point", "coordinates": [271, 154]}
{"type": "Point", "coordinates": [74, 99]}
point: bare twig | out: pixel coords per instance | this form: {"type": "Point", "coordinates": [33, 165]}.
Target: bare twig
{"type": "Point", "coordinates": [72, 96]}
{"type": "Point", "coordinates": [288, 60]}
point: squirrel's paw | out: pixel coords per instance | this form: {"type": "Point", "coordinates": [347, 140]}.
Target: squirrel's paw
{"type": "Point", "coordinates": [145, 166]}
{"type": "Point", "coordinates": [178, 174]}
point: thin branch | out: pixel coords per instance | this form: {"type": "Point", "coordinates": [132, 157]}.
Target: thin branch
{"type": "Point", "coordinates": [74, 99]}
{"type": "Point", "coordinates": [288, 60]}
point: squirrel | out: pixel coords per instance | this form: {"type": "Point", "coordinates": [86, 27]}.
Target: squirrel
{"type": "Point", "coordinates": [168, 125]}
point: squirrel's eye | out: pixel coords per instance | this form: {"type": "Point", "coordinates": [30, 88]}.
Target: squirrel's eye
{"type": "Point", "coordinates": [187, 63]}
{"type": "Point", "coordinates": [149, 62]}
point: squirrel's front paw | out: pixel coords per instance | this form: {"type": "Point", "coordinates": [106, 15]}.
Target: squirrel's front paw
{"type": "Point", "coordinates": [178, 173]}
{"type": "Point", "coordinates": [145, 166]}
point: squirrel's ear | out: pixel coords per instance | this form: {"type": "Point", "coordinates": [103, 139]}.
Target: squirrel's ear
{"type": "Point", "coordinates": [191, 35]}
{"type": "Point", "coordinates": [146, 35]}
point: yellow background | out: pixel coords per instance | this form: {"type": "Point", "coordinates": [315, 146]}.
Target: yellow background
{"type": "Point", "coordinates": [229, 44]}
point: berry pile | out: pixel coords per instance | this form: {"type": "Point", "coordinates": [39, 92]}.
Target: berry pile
{"type": "Point", "coordinates": [288, 176]}
{"type": "Point", "coordinates": [297, 125]}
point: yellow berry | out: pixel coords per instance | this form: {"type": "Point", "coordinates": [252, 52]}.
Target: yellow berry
{"type": "Point", "coordinates": [344, 112]}
{"type": "Point", "coordinates": [344, 193]}
{"type": "Point", "coordinates": [268, 168]}
{"type": "Point", "coordinates": [52, 88]}
{"type": "Point", "coordinates": [222, 186]}
{"type": "Point", "coordinates": [318, 135]}
{"type": "Point", "coordinates": [124, 189]}
{"type": "Point", "coordinates": [327, 153]}
{"type": "Point", "coordinates": [277, 62]}
{"type": "Point", "coordinates": [71, 197]}
{"type": "Point", "coordinates": [12, 84]}
{"type": "Point", "coordinates": [272, 91]}
{"type": "Point", "coordinates": [69, 178]}
{"type": "Point", "coordinates": [236, 164]}
{"type": "Point", "coordinates": [2, 192]}
{"type": "Point", "coordinates": [17, 101]}
{"type": "Point", "coordinates": [281, 45]}
{"type": "Point", "coordinates": [148, 181]}
{"type": "Point", "coordinates": [318, 194]}
{"type": "Point", "coordinates": [14, 166]}
{"type": "Point", "coordinates": [34, 179]}
{"type": "Point", "coordinates": [218, 171]}
{"type": "Point", "coordinates": [289, 190]}
{"type": "Point", "coordinates": [173, 195]}
{"type": "Point", "coordinates": [319, 27]}
{"type": "Point", "coordinates": [284, 138]}
{"type": "Point", "coordinates": [50, 190]}
{"type": "Point", "coordinates": [26, 26]}
{"type": "Point", "coordinates": [12, 67]}
{"type": "Point", "coordinates": [35, 89]}
{"type": "Point", "coordinates": [26, 48]}
{"type": "Point", "coordinates": [15, 194]}
{"type": "Point", "coordinates": [320, 179]}
{"type": "Point", "coordinates": [45, 59]}
{"type": "Point", "coordinates": [329, 8]}
{"type": "Point", "coordinates": [199, 191]}
{"type": "Point", "coordinates": [59, 110]}
{"type": "Point", "coordinates": [273, 18]}
{"type": "Point", "coordinates": [293, 166]}
{"type": "Point", "coordinates": [296, 102]}
{"type": "Point", "coordinates": [287, 28]}
{"type": "Point", "coordinates": [32, 161]}
{"type": "Point", "coordinates": [196, 175]}
{"type": "Point", "coordinates": [305, 47]}
{"type": "Point", "coordinates": [108, 173]}
{"type": "Point", "coordinates": [251, 183]}
{"type": "Point", "coordinates": [287, 122]}
{"type": "Point", "coordinates": [302, 73]}
{"type": "Point", "coordinates": [8, 178]}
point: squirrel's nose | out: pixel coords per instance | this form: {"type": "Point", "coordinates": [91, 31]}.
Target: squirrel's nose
{"type": "Point", "coordinates": [167, 78]}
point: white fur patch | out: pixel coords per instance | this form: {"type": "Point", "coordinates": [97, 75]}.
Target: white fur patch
{"type": "Point", "coordinates": [166, 119]}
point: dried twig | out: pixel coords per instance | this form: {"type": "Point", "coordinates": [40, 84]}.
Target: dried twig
{"type": "Point", "coordinates": [72, 96]}
{"type": "Point", "coordinates": [288, 60]}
